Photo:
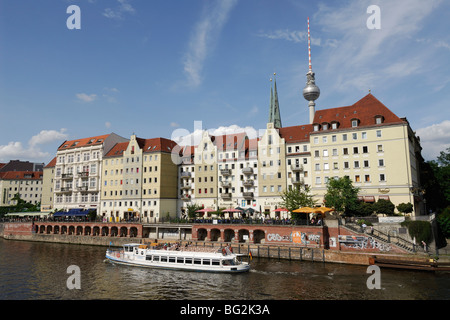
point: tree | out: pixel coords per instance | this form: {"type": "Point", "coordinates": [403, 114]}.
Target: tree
{"type": "Point", "coordinates": [443, 220]}
{"type": "Point", "coordinates": [296, 198]}
{"type": "Point", "coordinates": [405, 208]}
{"type": "Point", "coordinates": [191, 210]}
{"type": "Point", "coordinates": [341, 195]}
{"type": "Point", "coordinates": [384, 206]}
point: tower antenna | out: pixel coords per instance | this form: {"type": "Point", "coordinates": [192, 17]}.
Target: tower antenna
{"type": "Point", "coordinates": [309, 47]}
{"type": "Point", "coordinates": [311, 92]}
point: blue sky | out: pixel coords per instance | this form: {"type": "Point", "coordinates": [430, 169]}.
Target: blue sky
{"type": "Point", "coordinates": [153, 67]}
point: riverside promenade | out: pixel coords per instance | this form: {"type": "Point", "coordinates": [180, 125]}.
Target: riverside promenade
{"type": "Point", "coordinates": [328, 243]}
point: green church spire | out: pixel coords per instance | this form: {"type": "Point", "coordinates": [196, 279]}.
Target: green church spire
{"type": "Point", "coordinates": [274, 110]}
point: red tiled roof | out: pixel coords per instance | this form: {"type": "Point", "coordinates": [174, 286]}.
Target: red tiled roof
{"type": "Point", "coordinates": [117, 150]}
{"type": "Point", "coordinates": [83, 142]}
{"type": "Point", "coordinates": [21, 175]}
{"type": "Point", "coordinates": [365, 110]}
{"type": "Point", "coordinates": [51, 164]}
{"type": "Point", "coordinates": [230, 142]}
{"type": "Point", "coordinates": [296, 133]}
{"type": "Point", "coordinates": [147, 145]}
{"type": "Point", "coordinates": [156, 144]}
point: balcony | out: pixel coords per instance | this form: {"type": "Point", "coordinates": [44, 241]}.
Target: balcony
{"type": "Point", "coordinates": [248, 183]}
{"type": "Point", "coordinates": [296, 167]}
{"type": "Point", "coordinates": [67, 176]}
{"type": "Point", "coordinates": [226, 184]}
{"type": "Point", "coordinates": [84, 174]}
{"type": "Point", "coordinates": [247, 170]}
{"type": "Point", "coordinates": [66, 189]}
{"type": "Point", "coordinates": [186, 197]}
{"type": "Point", "coordinates": [297, 180]}
{"type": "Point", "coordinates": [82, 188]}
{"type": "Point", "coordinates": [225, 172]}
{"type": "Point", "coordinates": [226, 195]}
{"type": "Point", "coordinates": [185, 175]}
{"type": "Point", "coordinates": [248, 195]}
{"type": "Point", "coordinates": [186, 186]}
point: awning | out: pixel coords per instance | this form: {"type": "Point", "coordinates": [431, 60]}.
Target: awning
{"type": "Point", "coordinates": [26, 214]}
{"type": "Point", "coordinates": [72, 213]}
{"type": "Point", "coordinates": [369, 199]}
{"type": "Point", "coordinates": [383, 197]}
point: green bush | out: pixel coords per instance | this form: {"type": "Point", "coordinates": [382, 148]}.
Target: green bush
{"type": "Point", "coordinates": [421, 230]}
{"type": "Point", "coordinates": [443, 219]}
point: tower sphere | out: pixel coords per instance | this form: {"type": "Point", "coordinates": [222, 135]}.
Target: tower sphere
{"type": "Point", "coordinates": [311, 92]}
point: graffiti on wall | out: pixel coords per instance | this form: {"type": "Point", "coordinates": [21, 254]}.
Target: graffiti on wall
{"type": "Point", "coordinates": [278, 237]}
{"type": "Point", "coordinates": [304, 238]}
{"type": "Point", "coordinates": [361, 242]}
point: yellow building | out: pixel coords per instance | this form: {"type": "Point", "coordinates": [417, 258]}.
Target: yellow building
{"type": "Point", "coordinates": [367, 142]}
{"type": "Point", "coordinates": [139, 181]}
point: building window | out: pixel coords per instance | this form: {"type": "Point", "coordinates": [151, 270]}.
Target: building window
{"type": "Point", "coordinates": [365, 149]}
{"type": "Point", "coordinates": [382, 177]}
{"type": "Point", "coordinates": [378, 133]}
{"type": "Point", "coordinates": [380, 148]}
{"type": "Point", "coordinates": [381, 162]}
{"type": "Point", "coordinates": [364, 135]}
{"type": "Point", "coordinates": [355, 123]}
{"type": "Point", "coordinates": [344, 137]}
{"type": "Point", "coordinates": [345, 151]}
{"type": "Point", "coordinates": [357, 178]}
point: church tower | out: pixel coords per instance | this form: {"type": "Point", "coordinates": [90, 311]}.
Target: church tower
{"type": "Point", "coordinates": [311, 92]}
{"type": "Point", "coordinates": [274, 110]}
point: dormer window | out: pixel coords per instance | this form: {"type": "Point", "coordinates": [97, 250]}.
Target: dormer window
{"type": "Point", "coordinates": [316, 127]}
{"type": "Point", "coordinates": [325, 126]}
{"type": "Point", "coordinates": [334, 125]}
{"type": "Point", "coordinates": [379, 119]}
{"type": "Point", "coordinates": [355, 123]}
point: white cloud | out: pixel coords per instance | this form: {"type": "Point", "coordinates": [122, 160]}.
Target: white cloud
{"type": "Point", "coordinates": [16, 150]}
{"type": "Point", "coordinates": [85, 97]}
{"type": "Point", "coordinates": [118, 12]}
{"type": "Point", "coordinates": [297, 36]}
{"type": "Point", "coordinates": [185, 138]}
{"type": "Point", "coordinates": [434, 139]}
{"type": "Point", "coordinates": [202, 40]}
{"type": "Point", "coordinates": [107, 124]}
{"type": "Point", "coordinates": [48, 136]}
{"type": "Point", "coordinates": [375, 55]}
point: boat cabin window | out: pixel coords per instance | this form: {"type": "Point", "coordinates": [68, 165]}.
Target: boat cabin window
{"type": "Point", "coordinates": [148, 258]}
{"type": "Point", "coordinates": [197, 261]}
{"type": "Point", "coordinates": [228, 262]}
{"type": "Point", "coordinates": [172, 259]}
{"type": "Point", "coordinates": [156, 258]}
{"type": "Point", "coordinates": [216, 262]}
{"type": "Point", "coordinates": [180, 260]}
{"type": "Point", "coordinates": [163, 259]}
{"type": "Point", "coordinates": [207, 262]}
{"type": "Point", "coordinates": [188, 260]}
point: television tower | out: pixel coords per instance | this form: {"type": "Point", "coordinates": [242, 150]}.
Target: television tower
{"type": "Point", "coordinates": [311, 92]}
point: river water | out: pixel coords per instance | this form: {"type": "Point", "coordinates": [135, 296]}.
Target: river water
{"type": "Point", "coordinates": [39, 271]}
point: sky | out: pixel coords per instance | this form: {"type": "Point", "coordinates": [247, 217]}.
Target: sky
{"type": "Point", "coordinates": [159, 68]}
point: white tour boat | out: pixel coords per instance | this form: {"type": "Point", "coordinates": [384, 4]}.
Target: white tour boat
{"type": "Point", "coordinates": [177, 257]}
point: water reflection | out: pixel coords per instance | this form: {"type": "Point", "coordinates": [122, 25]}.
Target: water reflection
{"type": "Point", "coordinates": [39, 271]}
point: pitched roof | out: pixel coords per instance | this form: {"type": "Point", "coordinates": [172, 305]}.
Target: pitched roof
{"type": "Point", "coordinates": [147, 145]}
{"type": "Point", "coordinates": [156, 144]}
{"type": "Point", "coordinates": [117, 150]}
{"type": "Point", "coordinates": [364, 110]}
{"type": "Point", "coordinates": [51, 164]}
{"type": "Point", "coordinates": [91, 141]}
{"type": "Point", "coordinates": [296, 133]}
{"type": "Point", "coordinates": [21, 175]}
{"type": "Point", "coordinates": [229, 142]}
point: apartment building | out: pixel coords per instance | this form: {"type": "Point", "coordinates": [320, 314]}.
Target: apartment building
{"type": "Point", "coordinates": [77, 171]}
{"type": "Point", "coordinates": [23, 178]}
{"type": "Point", "coordinates": [367, 142]}
{"type": "Point", "coordinates": [28, 184]}
{"type": "Point", "coordinates": [139, 180]}
{"type": "Point", "coordinates": [206, 176]}
{"type": "Point", "coordinates": [47, 204]}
